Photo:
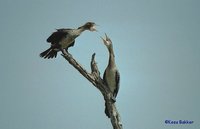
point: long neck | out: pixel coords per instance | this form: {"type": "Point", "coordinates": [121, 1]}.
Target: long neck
{"type": "Point", "coordinates": [81, 29]}
{"type": "Point", "coordinates": [111, 57]}
{"type": "Point", "coordinates": [77, 32]}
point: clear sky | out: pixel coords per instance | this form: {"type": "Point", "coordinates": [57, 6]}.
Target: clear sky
{"type": "Point", "coordinates": [157, 50]}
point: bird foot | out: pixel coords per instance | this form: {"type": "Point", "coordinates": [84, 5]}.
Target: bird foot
{"type": "Point", "coordinates": [67, 55]}
{"type": "Point", "coordinates": [64, 52]}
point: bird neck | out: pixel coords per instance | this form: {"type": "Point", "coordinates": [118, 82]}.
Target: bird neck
{"type": "Point", "coordinates": [81, 29]}
{"type": "Point", "coordinates": [111, 57]}
{"type": "Point", "coordinates": [76, 32]}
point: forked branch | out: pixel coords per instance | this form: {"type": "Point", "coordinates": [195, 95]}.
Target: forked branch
{"type": "Point", "coordinates": [96, 80]}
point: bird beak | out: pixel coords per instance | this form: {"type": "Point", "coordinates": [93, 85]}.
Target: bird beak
{"type": "Point", "coordinates": [104, 41]}
{"type": "Point", "coordinates": [107, 38]}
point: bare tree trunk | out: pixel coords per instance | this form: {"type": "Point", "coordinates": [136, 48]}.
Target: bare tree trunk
{"type": "Point", "coordinates": [97, 81]}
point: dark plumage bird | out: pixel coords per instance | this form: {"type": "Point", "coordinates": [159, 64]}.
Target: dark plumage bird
{"type": "Point", "coordinates": [62, 39]}
{"type": "Point", "coordinates": [111, 75]}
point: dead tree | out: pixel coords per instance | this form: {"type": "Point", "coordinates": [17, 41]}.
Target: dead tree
{"type": "Point", "coordinates": [95, 78]}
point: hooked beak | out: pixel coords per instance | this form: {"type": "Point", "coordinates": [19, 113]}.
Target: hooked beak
{"type": "Point", "coordinates": [105, 40]}
{"type": "Point", "coordinates": [107, 37]}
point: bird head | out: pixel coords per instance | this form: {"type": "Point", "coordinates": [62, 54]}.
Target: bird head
{"type": "Point", "coordinates": [90, 26]}
{"type": "Point", "coordinates": [107, 41]}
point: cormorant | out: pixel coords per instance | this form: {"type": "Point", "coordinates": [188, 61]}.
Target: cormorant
{"type": "Point", "coordinates": [111, 75]}
{"type": "Point", "coordinates": [62, 39]}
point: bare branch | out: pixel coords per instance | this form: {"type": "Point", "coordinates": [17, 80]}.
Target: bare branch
{"type": "Point", "coordinates": [96, 80]}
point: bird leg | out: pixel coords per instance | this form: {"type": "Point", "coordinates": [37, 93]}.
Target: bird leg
{"type": "Point", "coordinates": [65, 52]}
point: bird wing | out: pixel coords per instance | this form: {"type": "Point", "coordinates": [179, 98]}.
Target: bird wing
{"type": "Point", "coordinates": [104, 78]}
{"type": "Point", "coordinates": [72, 44]}
{"type": "Point", "coordinates": [57, 36]}
{"type": "Point", "coordinates": [117, 77]}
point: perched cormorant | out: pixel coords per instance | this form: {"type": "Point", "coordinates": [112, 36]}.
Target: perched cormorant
{"type": "Point", "coordinates": [111, 75]}
{"type": "Point", "coordinates": [62, 39]}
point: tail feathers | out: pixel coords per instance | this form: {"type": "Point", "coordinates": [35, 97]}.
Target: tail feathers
{"type": "Point", "coordinates": [49, 53]}
{"type": "Point", "coordinates": [106, 111]}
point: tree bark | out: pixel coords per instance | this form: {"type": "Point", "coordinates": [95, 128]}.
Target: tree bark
{"type": "Point", "coordinates": [95, 78]}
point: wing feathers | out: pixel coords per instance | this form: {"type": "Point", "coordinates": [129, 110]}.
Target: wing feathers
{"type": "Point", "coordinates": [56, 37]}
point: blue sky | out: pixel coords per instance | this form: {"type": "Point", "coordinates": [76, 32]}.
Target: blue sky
{"type": "Point", "coordinates": [156, 46]}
